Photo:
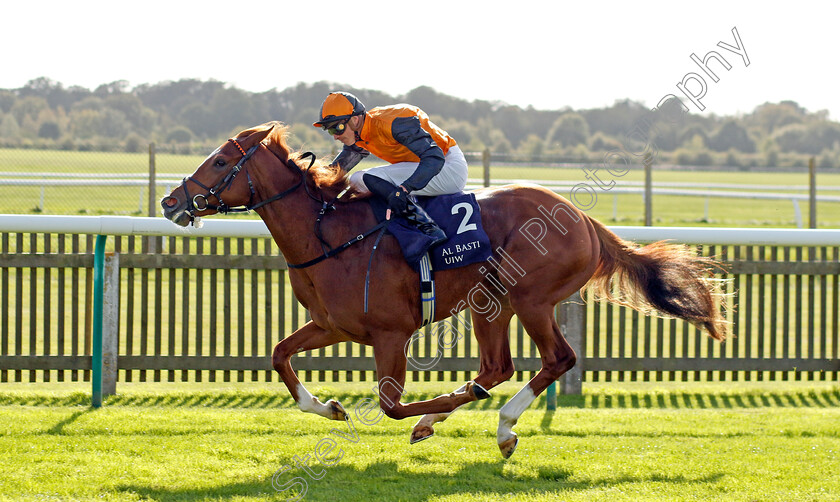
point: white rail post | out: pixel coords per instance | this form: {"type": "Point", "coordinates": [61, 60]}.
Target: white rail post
{"type": "Point", "coordinates": [648, 163]}
{"type": "Point", "coordinates": [615, 207]}
{"type": "Point", "coordinates": [812, 193]}
{"type": "Point", "coordinates": [797, 213]}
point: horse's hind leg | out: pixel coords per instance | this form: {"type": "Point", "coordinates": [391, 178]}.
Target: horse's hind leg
{"type": "Point", "coordinates": [557, 358]}
{"type": "Point", "coordinates": [496, 365]}
{"type": "Point", "coordinates": [390, 371]}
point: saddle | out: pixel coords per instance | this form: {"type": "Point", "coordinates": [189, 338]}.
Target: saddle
{"type": "Point", "coordinates": [460, 218]}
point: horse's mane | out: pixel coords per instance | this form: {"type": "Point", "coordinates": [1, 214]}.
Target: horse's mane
{"type": "Point", "coordinates": [329, 179]}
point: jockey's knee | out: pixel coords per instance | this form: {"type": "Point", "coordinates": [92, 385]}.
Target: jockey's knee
{"type": "Point", "coordinates": [355, 181]}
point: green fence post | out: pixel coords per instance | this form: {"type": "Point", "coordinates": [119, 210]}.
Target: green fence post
{"type": "Point", "coordinates": [96, 349]}
{"type": "Point", "coordinates": [551, 397]}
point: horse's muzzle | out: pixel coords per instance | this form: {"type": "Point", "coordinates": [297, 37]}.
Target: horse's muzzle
{"type": "Point", "coordinates": [175, 211]}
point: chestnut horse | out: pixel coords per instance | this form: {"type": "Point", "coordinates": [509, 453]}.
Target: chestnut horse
{"type": "Point", "coordinates": [545, 250]}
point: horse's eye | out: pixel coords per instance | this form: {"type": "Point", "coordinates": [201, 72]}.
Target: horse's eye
{"type": "Point", "coordinates": [220, 163]}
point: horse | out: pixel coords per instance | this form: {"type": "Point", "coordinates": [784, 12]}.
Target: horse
{"type": "Point", "coordinates": [545, 249]}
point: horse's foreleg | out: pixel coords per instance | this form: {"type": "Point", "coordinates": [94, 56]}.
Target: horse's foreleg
{"type": "Point", "coordinates": [390, 369]}
{"type": "Point", "coordinates": [496, 366]}
{"type": "Point", "coordinates": [310, 336]}
{"type": "Point", "coordinates": [424, 428]}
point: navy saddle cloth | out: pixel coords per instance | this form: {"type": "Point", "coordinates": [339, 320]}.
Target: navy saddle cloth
{"type": "Point", "coordinates": [459, 217]}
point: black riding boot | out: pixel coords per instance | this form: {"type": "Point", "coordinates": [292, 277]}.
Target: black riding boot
{"type": "Point", "coordinates": [415, 215]}
{"type": "Point", "coordinates": [418, 217]}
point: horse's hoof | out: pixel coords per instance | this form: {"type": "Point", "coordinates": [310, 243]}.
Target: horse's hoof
{"type": "Point", "coordinates": [479, 392]}
{"type": "Point", "coordinates": [509, 446]}
{"type": "Point", "coordinates": [336, 410]}
{"type": "Point", "coordinates": [420, 433]}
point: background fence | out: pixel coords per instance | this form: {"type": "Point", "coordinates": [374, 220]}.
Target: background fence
{"type": "Point", "coordinates": [34, 181]}
{"type": "Point", "coordinates": [211, 309]}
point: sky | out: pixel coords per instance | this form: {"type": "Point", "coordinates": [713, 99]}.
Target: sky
{"type": "Point", "coordinates": [548, 55]}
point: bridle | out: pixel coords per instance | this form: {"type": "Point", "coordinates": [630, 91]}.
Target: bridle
{"type": "Point", "coordinates": [200, 202]}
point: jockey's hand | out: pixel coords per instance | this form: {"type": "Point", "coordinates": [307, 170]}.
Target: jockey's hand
{"type": "Point", "coordinates": [398, 201]}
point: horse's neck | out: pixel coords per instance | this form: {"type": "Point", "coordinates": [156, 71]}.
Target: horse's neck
{"type": "Point", "coordinates": [291, 221]}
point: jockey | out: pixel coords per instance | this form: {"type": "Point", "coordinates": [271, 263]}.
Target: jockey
{"type": "Point", "coordinates": [424, 159]}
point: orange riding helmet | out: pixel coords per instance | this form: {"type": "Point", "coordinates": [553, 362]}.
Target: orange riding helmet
{"type": "Point", "coordinates": [339, 106]}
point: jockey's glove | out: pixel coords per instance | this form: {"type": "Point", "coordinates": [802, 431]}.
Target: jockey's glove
{"type": "Point", "coordinates": [398, 200]}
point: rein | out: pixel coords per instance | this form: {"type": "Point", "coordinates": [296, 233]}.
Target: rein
{"type": "Point", "coordinates": [200, 202]}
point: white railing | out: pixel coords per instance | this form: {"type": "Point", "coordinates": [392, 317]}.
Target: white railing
{"type": "Point", "coordinates": [129, 225]}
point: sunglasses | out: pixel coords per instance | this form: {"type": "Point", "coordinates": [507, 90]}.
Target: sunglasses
{"type": "Point", "coordinates": [336, 128]}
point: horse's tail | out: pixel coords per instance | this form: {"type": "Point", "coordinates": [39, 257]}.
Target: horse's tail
{"type": "Point", "coordinates": [673, 280]}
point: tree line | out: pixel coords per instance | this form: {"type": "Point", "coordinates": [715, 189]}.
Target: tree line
{"type": "Point", "coordinates": [193, 116]}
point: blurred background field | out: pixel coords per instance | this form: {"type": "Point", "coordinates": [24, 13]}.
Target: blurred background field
{"type": "Point", "coordinates": [72, 182]}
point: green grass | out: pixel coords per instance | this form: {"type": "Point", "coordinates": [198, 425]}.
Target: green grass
{"type": "Point", "coordinates": [756, 442]}
{"type": "Point", "coordinates": [60, 161]}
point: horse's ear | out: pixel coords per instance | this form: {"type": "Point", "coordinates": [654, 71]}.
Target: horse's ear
{"type": "Point", "coordinates": [258, 136]}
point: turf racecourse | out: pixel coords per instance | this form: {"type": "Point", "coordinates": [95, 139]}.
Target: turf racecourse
{"type": "Point", "coordinates": [774, 441]}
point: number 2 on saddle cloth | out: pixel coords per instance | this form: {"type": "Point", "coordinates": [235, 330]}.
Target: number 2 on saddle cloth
{"type": "Point", "coordinates": [459, 217]}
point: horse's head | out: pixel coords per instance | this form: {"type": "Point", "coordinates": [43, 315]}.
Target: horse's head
{"type": "Point", "coordinates": [216, 185]}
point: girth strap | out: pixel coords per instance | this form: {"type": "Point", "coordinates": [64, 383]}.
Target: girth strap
{"type": "Point", "coordinates": [427, 290]}
{"type": "Point", "coordinates": [370, 264]}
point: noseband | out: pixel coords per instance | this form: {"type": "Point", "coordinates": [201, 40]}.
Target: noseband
{"type": "Point", "coordinates": [200, 202]}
